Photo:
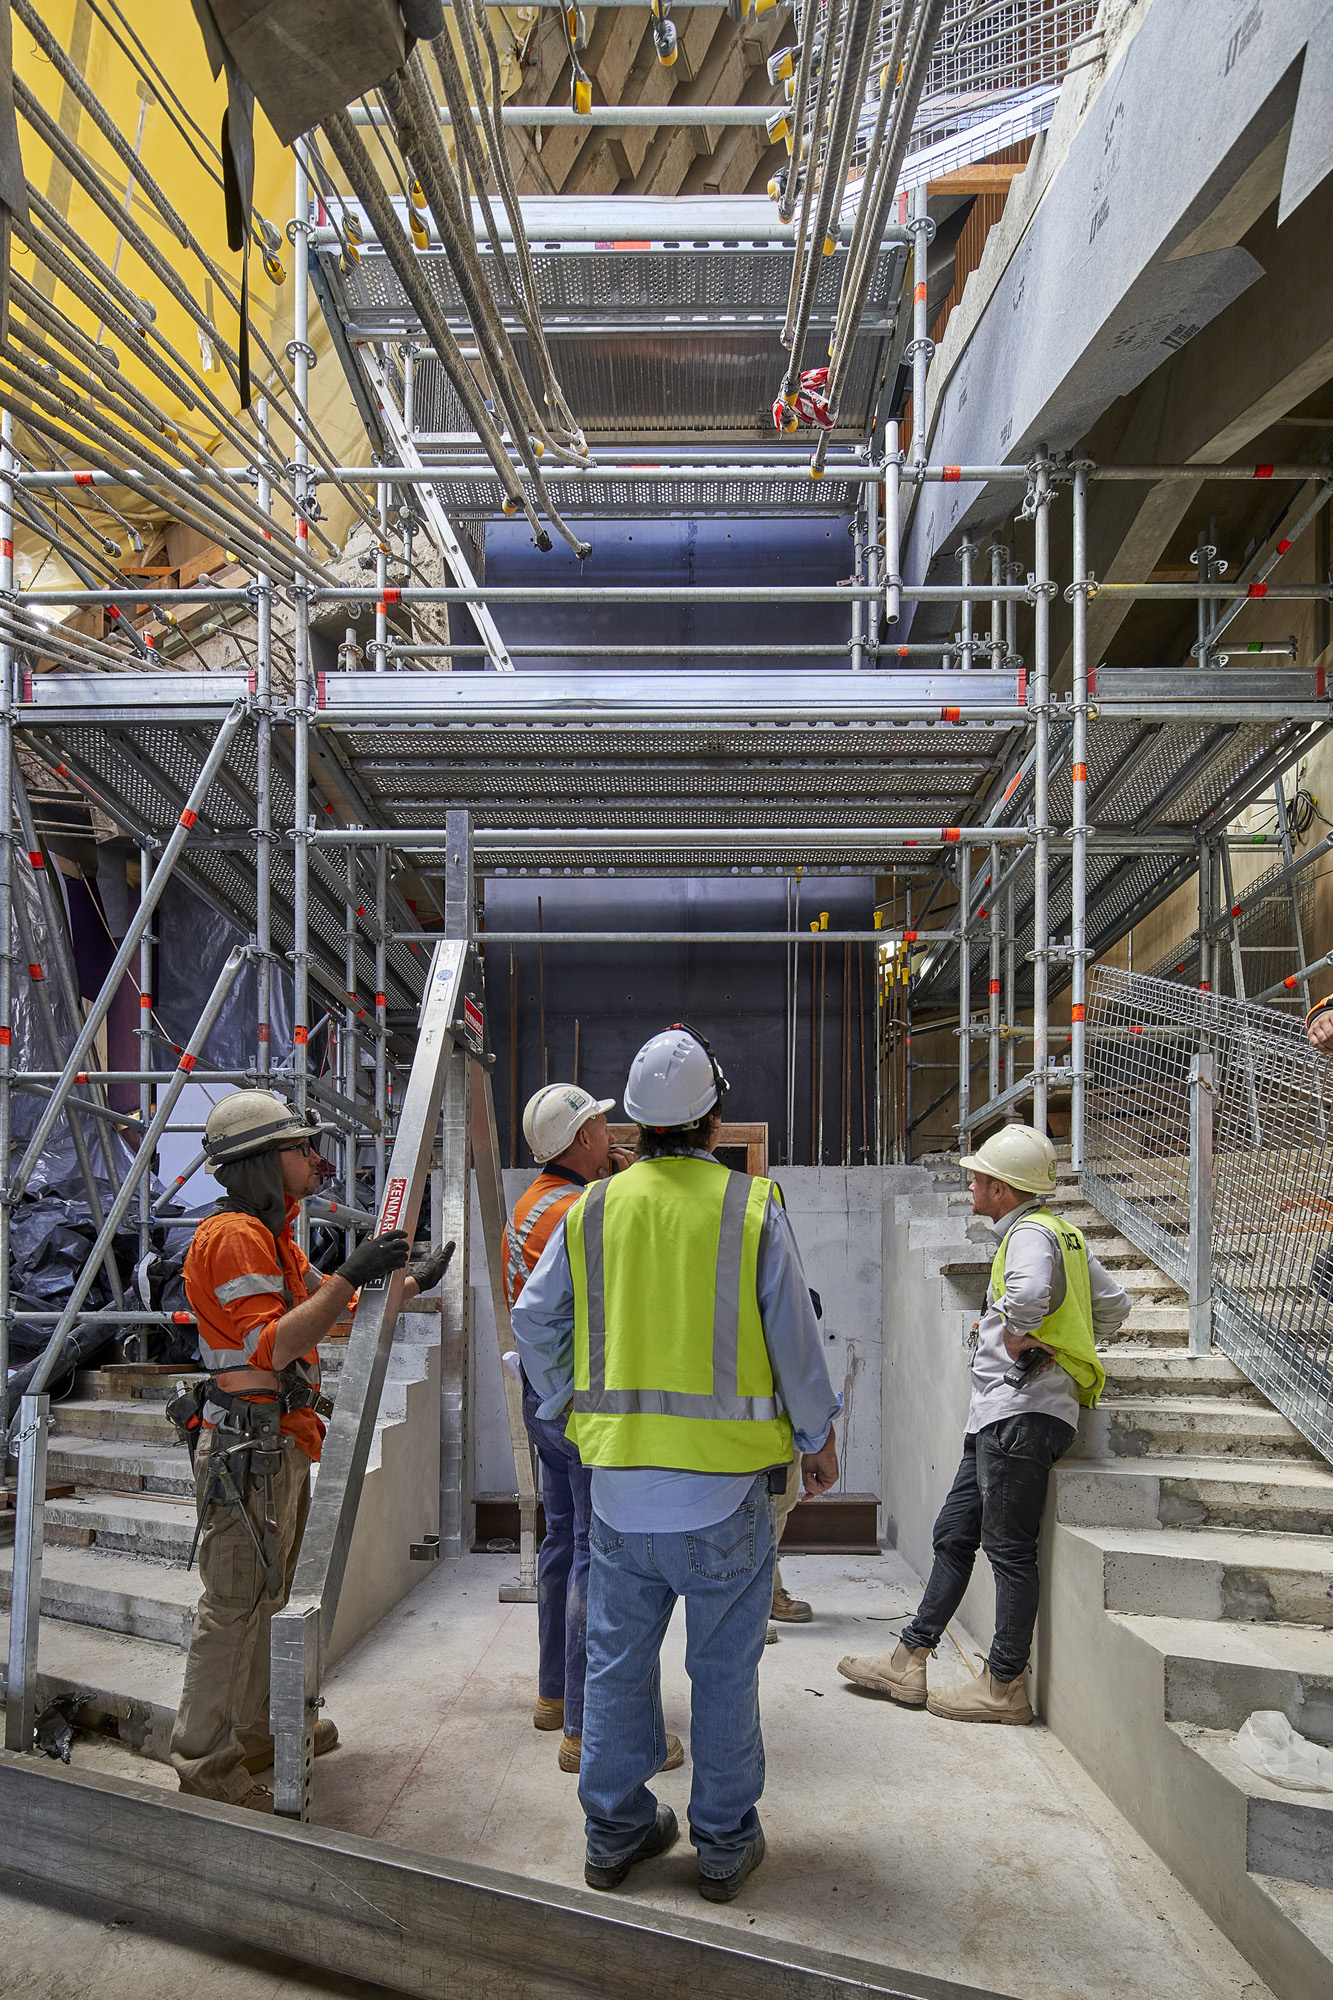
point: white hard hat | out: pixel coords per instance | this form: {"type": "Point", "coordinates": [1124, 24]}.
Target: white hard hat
{"type": "Point", "coordinates": [555, 1116]}
{"type": "Point", "coordinates": [1019, 1156]}
{"type": "Point", "coordinates": [673, 1080]}
{"type": "Point", "coordinates": [250, 1121]}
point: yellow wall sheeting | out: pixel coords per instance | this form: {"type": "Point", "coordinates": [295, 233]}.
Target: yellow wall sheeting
{"type": "Point", "coordinates": [173, 40]}
{"type": "Point", "coordinates": [180, 54]}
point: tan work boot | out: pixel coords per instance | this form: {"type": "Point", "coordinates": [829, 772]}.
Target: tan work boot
{"type": "Point", "coordinates": [571, 1751]}
{"type": "Point", "coordinates": [258, 1799]}
{"type": "Point", "coordinates": [984, 1699]}
{"type": "Point", "coordinates": [326, 1739]}
{"type": "Point", "coordinates": [790, 1610]}
{"type": "Point", "coordinates": [901, 1674]}
{"type": "Point", "coordinates": [549, 1712]}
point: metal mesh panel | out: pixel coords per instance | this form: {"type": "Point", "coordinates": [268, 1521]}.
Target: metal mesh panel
{"type": "Point", "coordinates": [1272, 1211]}
{"type": "Point", "coordinates": [987, 56]}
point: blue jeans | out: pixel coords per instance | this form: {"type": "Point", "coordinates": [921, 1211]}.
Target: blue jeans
{"type": "Point", "coordinates": [995, 1504]}
{"type": "Point", "coordinates": [725, 1575]}
{"type": "Point", "coordinates": [562, 1566]}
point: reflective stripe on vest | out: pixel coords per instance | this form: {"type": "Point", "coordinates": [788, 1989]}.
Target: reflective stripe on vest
{"type": "Point", "coordinates": [516, 1237]}
{"type": "Point", "coordinates": [724, 1403]}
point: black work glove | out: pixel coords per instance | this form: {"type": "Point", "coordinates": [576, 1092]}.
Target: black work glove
{"type": "Point", "coordinates": [429, 1270]}
{"type": "Point", "coordinates": [373, 1258]}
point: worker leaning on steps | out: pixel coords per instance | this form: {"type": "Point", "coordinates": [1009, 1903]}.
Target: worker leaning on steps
{"type": "Point", "coordinates": [1050, 1301]}
{"type": "Point", "coordinates": [566, 1132]}
{"type": "Point", "coordinates": [257, 1424]}
{"type": "Point", "coordinates": [668, 1315]}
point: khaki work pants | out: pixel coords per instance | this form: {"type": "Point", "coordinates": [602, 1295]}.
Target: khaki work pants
{"type": "Point", "coordinates": [223, 1714]}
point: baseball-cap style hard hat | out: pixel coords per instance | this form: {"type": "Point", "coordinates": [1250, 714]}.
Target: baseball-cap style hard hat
{"type": "Point", "coordinates": [1017, 1155]}
{"type": "Point", "coordinates": [673, 1080]}
{"type": "Point", "coordinates": [555, 1116]}
{"type": "Point", "coordinates": [250, 1121]}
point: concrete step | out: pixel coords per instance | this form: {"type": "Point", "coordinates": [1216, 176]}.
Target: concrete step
{"type": "Point", "coordinates": [1220, 1427]}
{"type": "Point", "coordinates": [1216, 1573]}
{"type": "Point", "coordinates": [1153, 1323]}
{"type": "Point", "coordinates": [132, 1381]}
{"type": "Point", "coordinates": [1275, 1496]}
{"type": "Point", "coordinates": [134, 1524]}
{"type": "Point", "coordinates": [105, 1462]}
{"type": "Point", "coordinates": [126, 1688]}
{"type": "Point", "coordinates": [1307, 1911]}
{"type": "Point", "coordinates": [126, 1422]}
{"type": "Point", "coordinates": [1147, 1282]}
{"type": "Point", "coordinates": [118, 1593]}
{"type": "Point", "coordinates": [1216, 1673]}
{"type": "Point", "coordinates": [1135, 1371]}
{"type": "Point", "coordinates": [1287, 1834]}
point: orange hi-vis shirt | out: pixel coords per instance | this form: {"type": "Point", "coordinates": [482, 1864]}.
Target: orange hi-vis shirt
{"type": "Point", "coordinates": [240, 1282]}
{"type": "Point", "coordinates": [537, 1213]}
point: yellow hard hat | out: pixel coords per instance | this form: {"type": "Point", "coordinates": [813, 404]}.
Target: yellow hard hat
{"type": "Point", "coordinates": [1019, 1156]}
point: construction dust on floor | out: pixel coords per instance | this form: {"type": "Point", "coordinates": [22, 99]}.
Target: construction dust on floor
{"type": "Point", "coordinates": [985, 1856]}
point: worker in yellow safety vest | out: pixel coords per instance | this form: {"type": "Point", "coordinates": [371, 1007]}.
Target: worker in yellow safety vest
{"type": "Point", "coordinates": [1047, 1306]}
{"type": "Point", "coordinates": [565, 1128]}
{"type": "Point", "coordinates": [669, 1321]}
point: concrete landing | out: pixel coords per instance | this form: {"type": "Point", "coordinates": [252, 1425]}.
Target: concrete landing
{"type": "Point", "coordinates": [985, 1856]}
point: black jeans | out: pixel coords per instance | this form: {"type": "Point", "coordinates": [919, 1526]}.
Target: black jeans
{"type": "Point", "coordinates": [994, 1504]}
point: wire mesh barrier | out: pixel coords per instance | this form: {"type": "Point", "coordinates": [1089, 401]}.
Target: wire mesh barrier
{"type": "Point", "coordinates": [1264, 1171]}
{"type": "Point", "coordinates": [986, 58]}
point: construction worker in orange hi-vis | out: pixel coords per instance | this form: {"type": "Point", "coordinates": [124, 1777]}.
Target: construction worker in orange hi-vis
{"type": "Point", "coordinates": [566, 1132]}
{"type": "Point", "coordinates": [255, 1425]}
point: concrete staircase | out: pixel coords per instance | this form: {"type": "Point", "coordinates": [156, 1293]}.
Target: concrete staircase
{"type": "Point", "coordinates": [117, 1599]}
{"type": "Point", "coordinates": [1189, 1581]}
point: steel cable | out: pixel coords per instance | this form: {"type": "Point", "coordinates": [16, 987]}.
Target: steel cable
{"type": "Point", "coordinates": [856, 286]}
{"type": "Point", "coordinates": [297, 419]}
{"type": "Point", "coordinates": [872, 183]}
{"type": "Point", "coordinates": [355, 162]}
{"type": "Point", "coordinates": [853, 68]}
{"type": "Point", "coordinates": [811, 177]}
{"type": "Point", "coordinates": [412, 106]}
{"type": "Point", "coordinates": [525, 297]}
{"type": "Point", "coordinates": [112, 451]}
{"type": "Point", "coordinates": [800, 92]}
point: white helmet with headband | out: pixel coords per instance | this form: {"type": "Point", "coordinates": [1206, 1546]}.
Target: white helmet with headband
{"type": "Point", "coordinates": [674, 1079]}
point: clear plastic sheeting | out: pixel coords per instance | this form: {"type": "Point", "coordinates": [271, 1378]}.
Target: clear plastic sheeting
{"type": "Point", "coordinates": [1267, 1744]}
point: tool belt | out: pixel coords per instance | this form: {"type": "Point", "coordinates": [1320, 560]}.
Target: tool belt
{"type": "Point", "coordinates": [245, 1452]}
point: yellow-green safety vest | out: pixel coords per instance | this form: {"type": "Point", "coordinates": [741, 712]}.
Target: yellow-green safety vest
{"type": "Point", "coordinates": [670, 1364]}
{"type": "Point", "coordinates": [1069, 1328]}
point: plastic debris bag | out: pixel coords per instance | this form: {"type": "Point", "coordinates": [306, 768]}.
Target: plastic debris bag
{"type": "Point", "coordinates": [1267, 1744]}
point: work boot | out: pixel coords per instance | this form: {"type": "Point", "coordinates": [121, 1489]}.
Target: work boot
{"type": "Point", "coordinates": [725, 1888]}
{"type": "Point", "coordinates": [771, 1636]}
{"type": "Point", "coordinates": [258, 1799]}
{"type": "Point", "coordinates": [901, 1674]}
{"type": "Point", "coordinates": [790, 1610]}
{"type": "Point", "coordinates": [984, 1699]}
{"type": "Point", "coordinates": [660, 1836]}
{"type": "Point", "coordinates": [326, 1738]}
{"type": "Point", "coordinates": [549, 1712]}
{"type": "Point", "coordinates": [571, 1751]}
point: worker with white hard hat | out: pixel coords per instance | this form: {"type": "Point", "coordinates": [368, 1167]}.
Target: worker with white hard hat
{"type": "Point", "coordinates": [565, 1128]}
{"type": "Point", "coordinates": [670, 1323]}
{"type": "Point", "coordinates": [255, 1425]}
{"type": "Point", "coordinates": [1048, 1304]}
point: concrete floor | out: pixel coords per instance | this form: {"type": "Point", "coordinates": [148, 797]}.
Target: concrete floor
{"type": "Point", "coordinates": [981, 1855]}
